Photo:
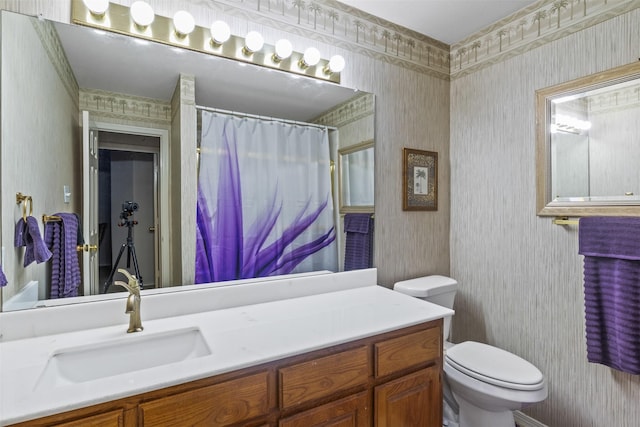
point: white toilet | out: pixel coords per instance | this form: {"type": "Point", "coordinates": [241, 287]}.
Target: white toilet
{"type": "Point", "coordinates": [487, 383]}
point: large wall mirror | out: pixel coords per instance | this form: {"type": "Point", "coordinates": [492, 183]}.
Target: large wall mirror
{"type": "Point", "coordinates": [132, 91]}
{"type": "Point", "coordinates": [588, 145]}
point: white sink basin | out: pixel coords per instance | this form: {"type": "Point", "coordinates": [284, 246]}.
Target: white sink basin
{"type": "Point", "coordinates": [133, 352]}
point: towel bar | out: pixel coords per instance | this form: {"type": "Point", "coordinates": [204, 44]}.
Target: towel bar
{"type": "Point", "coordinates": [564, 220]}
{"type": "Point", "coordinates": [50, 218]}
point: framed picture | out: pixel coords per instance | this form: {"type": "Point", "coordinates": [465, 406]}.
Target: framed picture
{"type": "Point", "coordinates": [419, 180]}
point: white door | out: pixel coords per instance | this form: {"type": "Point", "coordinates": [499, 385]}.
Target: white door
{"type": "Point", "coordinates": [89, 207]}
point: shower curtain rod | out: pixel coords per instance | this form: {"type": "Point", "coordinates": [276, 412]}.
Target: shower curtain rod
{"type": "Point", "coordinates": [267, 118]}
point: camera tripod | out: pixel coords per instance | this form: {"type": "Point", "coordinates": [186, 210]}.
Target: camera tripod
{"type": "Point", "coordinates": [131, 254]}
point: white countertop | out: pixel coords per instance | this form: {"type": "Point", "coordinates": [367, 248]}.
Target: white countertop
{"type": "Point", "coordinates": [238, 337]}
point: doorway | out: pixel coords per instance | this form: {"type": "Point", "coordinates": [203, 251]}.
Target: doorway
{"type": "Point", "coordinates": [128, 207]}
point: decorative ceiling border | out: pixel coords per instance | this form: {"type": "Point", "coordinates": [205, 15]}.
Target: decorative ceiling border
{"type": "Point", "coordinates": [51, 44]}
{"type": "Point", "coordinates": [349, 111]}
{"type": "Point", "coordinates": [337, 24]}
{"type": "Point", "coordinates": [615, 100]}
{"type": "Point", "coordinates": [334, 23]}
{"type": "Point", "coordinates": [125, 107]}
{"type": "Point", "coordinates": [533, 26]}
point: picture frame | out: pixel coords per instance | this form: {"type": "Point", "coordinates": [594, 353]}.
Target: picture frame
{"type": "Point", "coordinates": [419, 180]}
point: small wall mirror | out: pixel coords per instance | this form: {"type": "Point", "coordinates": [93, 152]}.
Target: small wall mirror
{"type": "Point", "coordinates": [588, 145]}
{"type": "Point", "coordinates": [355, 174]}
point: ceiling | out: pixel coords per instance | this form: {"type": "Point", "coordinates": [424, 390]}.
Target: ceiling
{"type": "Point", "coordinates": [121, 64]}
{"type": "Point", "coordinates": [448, 21]}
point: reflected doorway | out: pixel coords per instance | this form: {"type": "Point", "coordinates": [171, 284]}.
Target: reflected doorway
{"type": "Point", "coordinates": [128, 195]}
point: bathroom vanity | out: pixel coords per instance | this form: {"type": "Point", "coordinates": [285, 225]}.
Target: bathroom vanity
{"type": "Point", "coordinates": [348, 351]}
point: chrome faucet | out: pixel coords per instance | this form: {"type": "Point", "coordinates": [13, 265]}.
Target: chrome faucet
{"type": "Point", "coordinates": [133, 301]}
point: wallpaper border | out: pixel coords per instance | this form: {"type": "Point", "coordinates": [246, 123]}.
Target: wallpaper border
{"type": "Point", "coordinates": [331, 22]}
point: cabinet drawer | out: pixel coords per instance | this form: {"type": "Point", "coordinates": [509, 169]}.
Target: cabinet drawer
{"type": "Point", "coordinates": [217, 405]}
{"type": "Point", "coordinates": [108, 419]}
{"type": "Point", "coordinates": [352, 411]}
{"type": "Point", "coordinates": [324, 376]}
{"type": "Point", "coordinates": [407, 351]}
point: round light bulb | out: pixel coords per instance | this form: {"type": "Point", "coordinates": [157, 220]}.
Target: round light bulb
{"type": "Point", "coordinates": [183, 22]}
{"type": "Point", "coordinates": [97, 7]}
{"type": "Point", "coordinates": [283, 49]}
{"type": "Point", "coordinates": [142, 13]}
{"type": "Point", "coordinates": [311, 56]}
{"type": "Point", "coordinates": [336, 64]}
{"type": "Point", "coordinates": [253, 41]}
{"type": "Point", "coordinates": [220, 32]}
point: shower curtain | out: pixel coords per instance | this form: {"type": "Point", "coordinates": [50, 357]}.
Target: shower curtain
{"type": "Point", "coordinates": [264, 199]}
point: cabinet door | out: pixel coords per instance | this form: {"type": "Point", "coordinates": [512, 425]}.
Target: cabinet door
{"type": "Point", "coordinates": [352, 411]}
{"type": "Point", "coordinates": [221, 404]}
{"type": "Point", "coordinates": [414, 400]}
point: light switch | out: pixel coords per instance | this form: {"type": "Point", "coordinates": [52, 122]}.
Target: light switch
{"type": "Point", "coordinates": [66, 190]}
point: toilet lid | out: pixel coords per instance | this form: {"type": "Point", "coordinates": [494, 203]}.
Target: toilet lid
{"type": "Point", "coordinates": [494, 366]}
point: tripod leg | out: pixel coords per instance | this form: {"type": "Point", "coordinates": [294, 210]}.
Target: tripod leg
{"type": "Point", "coordinates": [129, 246]}
{"type": "Point", "coordinates": [135, 264]}
{"type": "Point", "coordinates": [113, 269]}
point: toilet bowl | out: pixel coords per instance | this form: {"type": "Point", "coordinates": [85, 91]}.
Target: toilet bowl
{"type": "Point", "coordinates": [488, 384]}
{"type": "Point", "coordinates": [482, 384]}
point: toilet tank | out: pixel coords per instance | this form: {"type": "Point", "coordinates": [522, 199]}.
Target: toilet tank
{"type": "Point", "coordinates": [440, 290]}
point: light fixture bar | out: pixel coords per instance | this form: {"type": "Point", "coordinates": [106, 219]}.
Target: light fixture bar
{"type": "Point", "coordinates": [117, 19]}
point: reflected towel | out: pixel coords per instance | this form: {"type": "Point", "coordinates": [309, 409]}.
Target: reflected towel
{"type": "Point", "coordinates": [62, 238]}
{"type": "Point", "coordinates": [359, 242]}
{"type": "Point", "coordinates": [3, 278]}
{"type": "Point", "coordinates": [27, 234]}
{"type": "Point", "coordinates": [611, 249]}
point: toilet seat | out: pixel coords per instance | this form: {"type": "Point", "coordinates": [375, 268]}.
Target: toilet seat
{"type": "Point", "coordinates": [494, 366]}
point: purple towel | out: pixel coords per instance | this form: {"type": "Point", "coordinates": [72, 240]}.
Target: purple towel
{"type": "Point", "coordinates": [62, 238]}
{"type": "Point", "coordinates": [3, 278]}
{"type": "Point", "coordinates": [611, 249]}
{"type": "Point", "coordinates": [27, 234]}
{"type": "Point", "coordinates": [359, 229]}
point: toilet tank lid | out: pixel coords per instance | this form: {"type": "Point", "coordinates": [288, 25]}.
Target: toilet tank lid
{"type": "Point", "coordinates": [426, 286]}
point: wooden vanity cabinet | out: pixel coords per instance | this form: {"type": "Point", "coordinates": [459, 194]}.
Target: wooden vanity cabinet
{"type": "Point", "coordinates": [388, 380]}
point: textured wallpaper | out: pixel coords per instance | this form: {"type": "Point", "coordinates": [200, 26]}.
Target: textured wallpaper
{"type": "Point", "coordinates": [28, 152]}
{"type": "Point", "coordinates": [520, 275]}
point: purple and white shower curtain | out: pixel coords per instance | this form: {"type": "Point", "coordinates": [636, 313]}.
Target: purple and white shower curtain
{"type": "Point", "coordinates": [264, 199]}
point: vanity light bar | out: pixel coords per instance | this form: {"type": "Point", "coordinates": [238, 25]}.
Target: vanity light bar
{"type": "Point", "coordinates": [117, 19]}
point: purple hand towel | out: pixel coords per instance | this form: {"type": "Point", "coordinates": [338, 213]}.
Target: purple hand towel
{"type": "Point", "coordinates": [27, 234]}
{"type": "Point", "coordinates": [611, 249]}
{"type": "Point", "coordinates": [3, 278]}
{"type": "Point", "coordinates": [62, 238]}
{"type": "Point", "coordinates": [18, 236]}
{"type": "Point", "coordinates": [359, 229]}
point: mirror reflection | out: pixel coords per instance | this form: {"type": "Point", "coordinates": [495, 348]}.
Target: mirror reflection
{"type": "Point", "coordinates": [589, 143]}
{"type": "Point", "coordinates": [105, 127]}
{"type": "Point", "coordinates": [356, 172]}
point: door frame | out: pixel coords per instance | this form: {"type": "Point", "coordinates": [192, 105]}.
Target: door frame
{"type": "Point", "coordinates": [164, 219]}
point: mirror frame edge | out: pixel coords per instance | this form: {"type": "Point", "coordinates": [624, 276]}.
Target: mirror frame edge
{"type": "Point", "coordinates": [544, 205]}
